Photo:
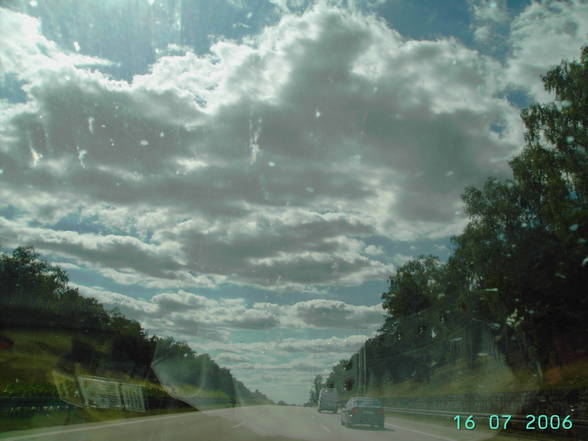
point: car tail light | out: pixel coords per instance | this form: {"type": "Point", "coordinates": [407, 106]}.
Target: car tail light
{"type": "Point", "coordinates": [354, 410]}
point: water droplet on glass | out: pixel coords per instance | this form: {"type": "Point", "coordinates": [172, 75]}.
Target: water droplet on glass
{"type": "Point", "coordinates": [144, 142]}
{"type": "Point", "coordinates": [271, 164]}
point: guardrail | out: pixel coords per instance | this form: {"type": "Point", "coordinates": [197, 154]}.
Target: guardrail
{"type": "Point", "coordinates": [26, 406]}
{"type": "Point", "coordinates": [516, 422]}
{"type": "Point", "coordinates": [29, 406]}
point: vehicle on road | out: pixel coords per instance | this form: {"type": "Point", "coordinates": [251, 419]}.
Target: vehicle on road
{"type": "Point", "coordinates": [328, 400]}
{"type": "Point", "coordinates": [363, 411]}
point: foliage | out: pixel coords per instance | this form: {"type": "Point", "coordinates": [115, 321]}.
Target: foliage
{"type": "Point", "coordinates": [515, 285]}
{"type": "Point", "coordinates": [35, 295]}
{"type": "Point", "coordinates": [316, 389]}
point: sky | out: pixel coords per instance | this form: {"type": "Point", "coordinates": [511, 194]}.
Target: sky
{"type": "Point", "coordinates": [245, 175]}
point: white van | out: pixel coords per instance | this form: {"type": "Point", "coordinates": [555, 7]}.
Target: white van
{"type": "Point", "coordinates": [328, 399]}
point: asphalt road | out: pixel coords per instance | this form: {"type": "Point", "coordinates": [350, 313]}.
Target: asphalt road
{"type": "Point", "coordinates": [256, 423]}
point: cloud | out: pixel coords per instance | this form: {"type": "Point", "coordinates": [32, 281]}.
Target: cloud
{"type": "Point", "coordinates": [490, 11]}
{"type": "Point", "coordinates": [331, 346]}
{"type": "Point", "coordinates": [333, 313]}
{"type": "Point", "coordinates": [541, 36]}
{"type": "Point", "coordinates": [194, 315]}
{"type": "Point", "coordinates": [28, 54]}
{"type": "Point", "coordinates": [267, 162]}
{"type": "Point", "coordinates": [180, 301]}
{"type": "Point", "coordinates": [130, 306]}
{"type": "Point", "coordinates": [373, 250]}
{"type": "Point", "coordinates": [401, 259]}
{"type": "Point", "coordinates": [228, 358]}
{"type": "Point", "coordinates": [337, 345]}
{"type": "Point", "coordinates": [489, 21]}
{"type": "Point", "coordinates": [254, 320]}
{"type": "Point", "coordinates": [300, 366]}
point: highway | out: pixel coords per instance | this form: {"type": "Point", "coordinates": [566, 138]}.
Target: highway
{"type": "Point", "coordinates": [255, 423]}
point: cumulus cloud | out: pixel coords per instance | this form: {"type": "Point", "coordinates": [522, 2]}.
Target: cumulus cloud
{"type": "Point", "coordinates": [267, 162]}
{"type": "Point", "coordinates": [339, 346]}
{"type": "Point", "coordinates": [489, 22]}
{"type": "Point", "coordinates": [190, 314]}
{"type": "Point", "coordinates": [333, 313]}
{"type": "Point", "coordinates": [27, 54]}
{"type": "Point", "coordinates": [300, 366]}
{"type": "Point", "coordinates": [228, 358]}
{"type": "Point", "coordinates": [130, 306]}
{"type": "Point", "coordinates": [180, 301]}
{"type": "Point", "coordinates": [490, 11]}
{"type": "Point", "coordinates": [541, 36]}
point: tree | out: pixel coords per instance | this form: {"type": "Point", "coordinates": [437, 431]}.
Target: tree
{"type": "Point", "coordinates": [36, 295]}
{"type": "Point", "coordinates": [525, 248]}
{"type": "Point", "coordinates": [518, 273]}
{"type": "Point", "coordinates": [316, 389]}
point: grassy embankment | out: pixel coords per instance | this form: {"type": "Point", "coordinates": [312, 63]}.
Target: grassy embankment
{"type": "Point", "coordinates": [26, 371]}
{"type": "Point", "coordinates": [489, 376]}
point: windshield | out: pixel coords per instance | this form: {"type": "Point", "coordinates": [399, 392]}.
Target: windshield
{"type": "Point", "coordinates": [366, 402]}
{"type": "Point", "coordinates": [224, 219]}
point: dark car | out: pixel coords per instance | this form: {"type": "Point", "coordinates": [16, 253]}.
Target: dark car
{"type": "Point", "coordinates": [363, 410]}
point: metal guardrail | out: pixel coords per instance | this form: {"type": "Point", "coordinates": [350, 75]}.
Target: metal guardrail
{"type": "Point", "coordinates": [580, 425]}
{"type": "Point", "coordinates": [26, 406]}
{"type": "Point", "coordinates": [20, 405]}
{"type": "Point", "coordinates": [427, 412]}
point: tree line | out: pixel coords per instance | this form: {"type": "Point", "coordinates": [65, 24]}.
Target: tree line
{"type": "Point", "coordinates": [515, 286]}
{"type": "Point", "coordinates": [36, 296]}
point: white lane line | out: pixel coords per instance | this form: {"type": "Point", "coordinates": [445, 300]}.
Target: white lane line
{"type": "Point", "coordinates": [97, 427]}
{"type": "Point", "coordinates": [326, 428]}
{"type": "Point", "coordinates": [238, 425]}
{"type": "Point", "coordinates": [420, 433]}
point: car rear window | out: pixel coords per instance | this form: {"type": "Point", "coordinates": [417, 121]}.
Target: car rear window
{"type": "Point", "coordinates": [367, 402]}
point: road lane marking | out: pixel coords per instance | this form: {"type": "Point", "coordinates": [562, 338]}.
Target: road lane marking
{"type": "Point", "coordinates": [420, 433]}
{"type": "Point", "coordinates": [326, 428]}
